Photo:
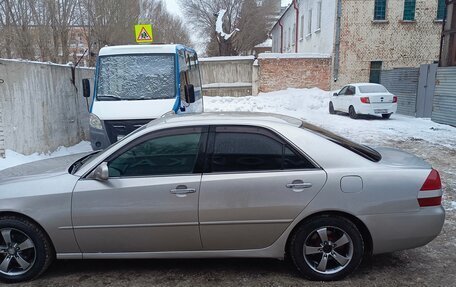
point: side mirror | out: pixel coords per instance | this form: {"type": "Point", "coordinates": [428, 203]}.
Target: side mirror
{"type": "Point", "coordinates": [86, 88]}
{"type": "Point", "coordinates": [101, 173]}
{"type": "Point", "coordinates": [335, 94]}
{"type": "Point", "coordinates": [190, 94]}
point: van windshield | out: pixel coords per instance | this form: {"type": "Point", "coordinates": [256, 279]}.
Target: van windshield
{"type": "Point", "coordinates": [136, 77]}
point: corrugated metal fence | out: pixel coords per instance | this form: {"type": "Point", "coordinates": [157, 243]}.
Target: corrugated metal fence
{"type": "Point", "coordinates": [444, 110]}
{"type": "Point", "coordinates": [402, 82]}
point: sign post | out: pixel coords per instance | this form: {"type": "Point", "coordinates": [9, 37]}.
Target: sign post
{"type": "Point", "coordinates": [144, 34]}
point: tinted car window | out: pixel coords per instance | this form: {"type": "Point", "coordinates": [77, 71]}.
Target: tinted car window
{"type": "Point", "coordinates": [174, 154]}
{"type": "Point", "coordinates": [245, 152]}
{"type": "Point", "coordinates": [372, 89]}
{"type": "Point", "coordinates": [293, 160]}
{"type": "Point", "coordinates": [343, 91]}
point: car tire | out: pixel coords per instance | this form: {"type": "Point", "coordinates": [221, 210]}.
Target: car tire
{"type": "Point", "coordinates": [352, 113]}
{"type": "Point", "coordinates": [331, 109]}
{"type": "Point", "coordinates": [26, 251]}
{"type": "Point", "coordinates": [309, 249]}
{"type": "Point", "coordinates": [386, 116]}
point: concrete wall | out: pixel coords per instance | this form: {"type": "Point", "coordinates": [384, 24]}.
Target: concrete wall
{"type": "Point", "coordinates": [282, 71]}
{"type": "Point", "coordinates": [40, 108]}
{"type": "Point", "coordinates": [227, 76]}
{"type": "Point", "coordinates": [395, 42]}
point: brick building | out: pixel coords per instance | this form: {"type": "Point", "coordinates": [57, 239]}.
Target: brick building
{"type": "Point", "coordinates": [362, 37]}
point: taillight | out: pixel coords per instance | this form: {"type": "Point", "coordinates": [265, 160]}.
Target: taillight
{"type": "Point", "coordinates": [431, 201]}
{"type": "Point", "coordinates": [430, 193]}
{"type": "Point", "coordinates": [395, 99]}
{"type": "Point", "coordinates": [432, 182]}
{"type": "Point", "coordinates": [365, 100]}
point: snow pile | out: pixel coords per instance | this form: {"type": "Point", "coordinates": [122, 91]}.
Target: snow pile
{"type": "Point", "coordinates": [311, 105]}
{"type": "Point", "coordinates": [13, 158]}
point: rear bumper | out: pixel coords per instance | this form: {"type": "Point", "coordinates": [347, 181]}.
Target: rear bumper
{"type": "Point", "coordinates": [393, 232]}
{"type": "Point", "coordinates": [376, 109]}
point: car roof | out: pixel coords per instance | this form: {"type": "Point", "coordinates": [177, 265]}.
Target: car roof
{"type": "Point", "coordinates": [364, 84]}
{"type": "Point", "coordinates": [232, 118]}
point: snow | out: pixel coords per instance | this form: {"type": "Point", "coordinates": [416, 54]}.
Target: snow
{"type": "Point", "coordinates": [13, 158]}
{"type": "Point", "coordinates": [265, 44]}
{"type": "Point", "coordinates": [311, 105]}
{"type": "Point", "coordinates": [227, 58]}
{"type": "Point", "coordinates": [219, 26]}
{"type": "Point", "coordinates": [227, 85]}
{"type": "Point", "coordinates": [69, 64]}
{"type": "Point", "coordinates": [293, 56]}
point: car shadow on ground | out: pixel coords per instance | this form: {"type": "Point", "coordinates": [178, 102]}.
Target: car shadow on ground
{"type": "Point", "coordinates": [365, 117]}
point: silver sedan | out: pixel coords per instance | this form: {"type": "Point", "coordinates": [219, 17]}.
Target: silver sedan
{"type": "Point", "coordinates": [220, 185]}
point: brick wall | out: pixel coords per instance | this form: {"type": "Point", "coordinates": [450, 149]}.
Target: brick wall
{"type": "Point", "coordinates": [394, 42]}
{"type": "Point", "coordinates": [280, 73]}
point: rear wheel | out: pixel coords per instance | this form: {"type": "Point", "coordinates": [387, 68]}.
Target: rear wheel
{"type": "Point", "coordinates": [25, 251]}
{"type": "Point", "coordinates": [386, 116]}
{"type": "Point", "coordinates": [331, 108]}
{"type": "Point", "coordinates": [352, 113]}
{"type": "Point", "coordinates": [326, 248]}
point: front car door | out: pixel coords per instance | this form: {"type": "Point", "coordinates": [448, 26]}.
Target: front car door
{"type": "Point", "coordinates": [150, 201]}
{"type": "Point", "coordinates": [255, 184]}
{"type": "Point", "coordinates": [338, 101]}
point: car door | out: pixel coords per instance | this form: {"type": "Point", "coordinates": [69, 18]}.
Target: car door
{"type": "Point", "coordinates": [350, 98]}
{"type": "Point", "coordinates": [150, 201]}
{"type": "Point", "coordinates": [339, 100]}
{"type": "Point", "coordinates": [254, 186]}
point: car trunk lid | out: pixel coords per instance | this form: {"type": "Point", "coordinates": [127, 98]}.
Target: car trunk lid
{"type": "Point", "coordinates": [398, 158]}
{"type": "Point", "coordinates": [380, 98]}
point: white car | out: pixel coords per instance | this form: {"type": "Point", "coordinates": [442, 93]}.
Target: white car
{"type": "Point", "coordinates": [364, 99]}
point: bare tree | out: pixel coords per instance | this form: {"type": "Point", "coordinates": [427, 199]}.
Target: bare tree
{"type": "Point", "coordinates": [249, 16]}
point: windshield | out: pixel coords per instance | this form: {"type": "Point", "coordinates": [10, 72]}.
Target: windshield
{"type": "Point", "coordinates": [372, 89]}
{"type": "Point", "coordinates": [361, 150]}
{"type": "Point", "coordinates": [136, 77]}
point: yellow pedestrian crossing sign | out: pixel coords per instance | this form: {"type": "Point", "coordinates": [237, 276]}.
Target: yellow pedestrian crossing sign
{"type": "Point", "coordinates": [143, 33]}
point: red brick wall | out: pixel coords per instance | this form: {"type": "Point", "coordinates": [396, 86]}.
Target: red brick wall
{"type": "Point", "coordinates": [281, 73]}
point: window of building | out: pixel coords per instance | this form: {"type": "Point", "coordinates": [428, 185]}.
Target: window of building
{"type": "Point", "coordinates": [441, 10]}
{"type": "Point", "coordinates": [380, 10]}
{"type": "Point", "coordinates": [409, 10]}
{"type": "Point", "coordinates": [301, 34]}
{"type": "Point", "coordinates": [309, 23]}
{"type": "Point", "coordinates": [318, 16]}
{"type": "Point", "coordinates": [293, 35]}
{"type": "Point", "coordinates": [375, 71]}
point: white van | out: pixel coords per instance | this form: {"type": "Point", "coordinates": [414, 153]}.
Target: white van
{"type": "Point", "coordinates": [137, 84]}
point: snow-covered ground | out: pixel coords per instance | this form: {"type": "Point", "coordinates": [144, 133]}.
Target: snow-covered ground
{"type": "Point", "coordinates": [312, 106]}
{"type": "Point", "coordinates": [13, 158]}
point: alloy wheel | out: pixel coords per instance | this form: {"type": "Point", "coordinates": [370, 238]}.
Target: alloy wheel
{"type": "Point", "coordinates": [17, 252]}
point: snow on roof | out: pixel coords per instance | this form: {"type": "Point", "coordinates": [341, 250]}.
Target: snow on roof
{"type": "Point", "coordinates": [138, 49]}
{"type": "Point", "coordinates": [265, 44]}
{"type": "Point", "coordinates": [227, 58]}
{"type": "Point", "coordinates": [293, 56]}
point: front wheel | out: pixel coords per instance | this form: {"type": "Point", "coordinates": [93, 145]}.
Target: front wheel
{"type": "Point", "coordinates": [327, 248]}
{"type": "Point", "coordinates": [25, 251]}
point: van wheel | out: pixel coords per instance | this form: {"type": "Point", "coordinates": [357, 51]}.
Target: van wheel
{"type": "Point", "coordinates": [25, 251]}
{"type": "Point", "coordinates": [326, 248]}
{"type": "Point", "coordinates": [352, 113]}
{"type": "Point", "coordinates": [331, 108]}
{"type": "Point", "coordinates": [386, 116]}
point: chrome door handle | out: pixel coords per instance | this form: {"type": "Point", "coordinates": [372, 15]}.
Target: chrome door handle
{"type": "Point", "coordinates": [182, 189]}
{"type": "Point", "coordinates": [300, 185]}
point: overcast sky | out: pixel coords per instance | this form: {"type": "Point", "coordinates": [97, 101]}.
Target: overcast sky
{"type": "Point", "coordinates": [174, 7]}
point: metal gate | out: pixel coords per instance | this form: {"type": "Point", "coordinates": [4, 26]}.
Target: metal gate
{"type": "Point", "coordinates": [426, 88]}
{"type": "Point", "coordinates": [444, 111]}
{"type": "Point", "coordinates": [402, 82]}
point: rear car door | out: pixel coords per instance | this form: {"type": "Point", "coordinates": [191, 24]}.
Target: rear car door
{"type": "Point", "coordinates": [254, 186]}
{"type": "Point", "coordinates": [150, 201]}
